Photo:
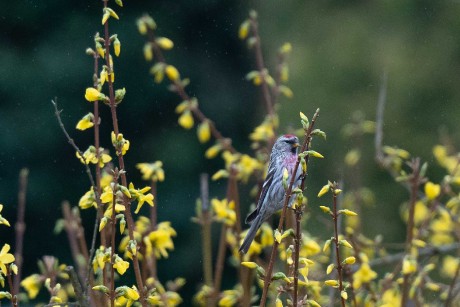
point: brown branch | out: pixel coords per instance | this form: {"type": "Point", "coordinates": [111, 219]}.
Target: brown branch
{"type": "Point", "coordinates": [79, 294]}
{"type": "Point", "coordinates": [415, 182]}
{"type": "Point", "coordinates": [121, 162]}
{"type": "Point", "coordinates": [14, 299]}
{"type": "Point", "coordinates": [113, 230]}
{"type": "Point", "coordinates": [305, 146]}
{"type": "Point", "coordinates": [297, 240]}
{"type": "Point", "coordinates": [219, 267]}
{"type": "Point", "coordinates": [58, 112]}
{"type": "Point", "coordinates": [71, 229]}
{"type": "Point", "coordinates": [260, 63]}
{"type": "Point", "coordinates": [20, 226]}
{"type": "Point", "coordinates": [379, 157]}
{"type": "Point", "coordinates": [335, 217]}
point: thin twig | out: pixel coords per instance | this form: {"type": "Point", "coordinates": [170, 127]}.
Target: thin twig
{"type": "Point", "coordinates": [14, 299]}
{"type": "Point", "coordinates": [414, 183]}
{"type": "Point", "coordinates": [219, 267]}
{"type": "Point", "coordinates": [79, 294]}
{"type": "Point", "coordinates": [58, 112]}
{"type": "Point", "coordinates": [339, 266]}
{"type": "Point", "coordinates": [305, 146]}
{"type": "Point", "coordinates": [121, 162]}
{"type": "Point", "coordinates": [260, 64]}
{"type": "Point", "coordinates": [98, 189]}
{"type": "Point", "coordinates": [71, 229]}
{"type": "Point", "coordinates": [379, 157]}
{"type": "Point", "coordinates": [113, 230]}
{"type": "Point", "coordinates": [297, 240]}
{"type": "Point", "coordinates": [20, 225]}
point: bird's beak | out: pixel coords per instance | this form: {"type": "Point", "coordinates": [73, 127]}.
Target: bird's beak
{"type": "Point", "coordinates": [295, 145]}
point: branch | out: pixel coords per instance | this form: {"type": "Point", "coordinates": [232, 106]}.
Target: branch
{"type": "Point", "coordinates": [58, 112]}
{"type": "Point", "coordinates": [20, 225]}
{"type": "Point", "coordinates": [260, 63]}
{"type": "Point", "coordinates": [379, 157]}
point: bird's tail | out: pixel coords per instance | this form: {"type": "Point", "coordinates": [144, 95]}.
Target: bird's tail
{"type": "Point", "coordinates": [251, 234]}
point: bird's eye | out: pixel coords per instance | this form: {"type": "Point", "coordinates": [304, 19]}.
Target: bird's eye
{"type": "Point", "coordinates": [289, 141]}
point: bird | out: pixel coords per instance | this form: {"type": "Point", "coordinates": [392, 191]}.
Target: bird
{"type": "Point", "coordinates": [272, 196]}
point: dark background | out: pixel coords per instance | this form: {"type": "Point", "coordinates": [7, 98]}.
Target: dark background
{"type": "Point", "coordinates": [340, 49]}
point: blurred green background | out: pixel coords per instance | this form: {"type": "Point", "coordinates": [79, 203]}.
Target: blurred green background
{"type": "Point", "coordinates": [340, 49]}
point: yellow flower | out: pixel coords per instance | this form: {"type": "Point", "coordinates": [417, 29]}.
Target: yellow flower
{"type": "Point", "coordinates": [164, 43]}
{"type": "Point", "coordinates": [244, 29]}
{"type": "Point", "coordinates": [201, 298]}
{"type": "Point", "coordinates": [352, 157]}
{"type": "Point", "coordinates": [172, 73]}
{"type": "Point", "coordinates": [421, 213]}
{"type": "Point", "coordinates": [3, 220]}
{"type": "Point", "coordinates": [140, 196]}
{"type": "Point", "coordinates": [93, 94]}
{"type": "Point", "coordinates": [409, 265]}
{"type": "Point", "coordinates": [364, 273]}
{"type": "Point", "coordinates": [224, 211]}
{"type": "Point", "coordinates": [213, 151]}
{"type": "Point", "coordinates": [161, 239]}
{"type": "Point", "coordinates": [186, 120]}
{"type": "Point", "coordinates": [152, 171]}
{"type": "Point", "coordinates": [249, 264]}
{"type": "Point", "coordinates": [264, 131]}
{"type": "Point", "coordinates": [323, 190]}
{"type": "Point", "coordinates": [309, 247]}
{"type": "Point", "coordinates": [229, 298]}
{"type": "Point", "coordinates": [449, 266]}
{"type": "Point", "coordinates": [331, 283]}
{"type": "Point", "coordinates": [130, 295]}
{"type": "Point", "coordinates": [391, 298]}
{"type": "Point", "coordinates": [5, 258]}
{"type": "Point", "coordinates": [148, 53]}
{"type": "Point", "coordinates": [116, 46]}
{"type": "Point", "coordinates": [286, 48]}
{"type": "Point", "coordinates": [88, 200]}
{"type": "Point", "coordinates": [204, 132]}
{"type": "Point", "coordinates": [432, 190]}
{"type": "Point", "coordinates": [120, 265]}
{"type": "Point", "coordinates": [86, 122]}
{"type": "Point", "coordinates": [101, 257]}
{"type": "Point", "coordinates": [278, 303]}
{"type": "Point", "coordinates": [32, 285]}
{"type": "Point", "coordinates": [107, 195]}
{"type": "Point", "coordinates": [266, 235]}
{"type": "Point", "coordinates": [442, 227]}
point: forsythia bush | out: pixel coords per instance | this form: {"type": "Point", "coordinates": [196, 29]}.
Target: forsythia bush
{"type": "Point", "coordinates": [285, 266]}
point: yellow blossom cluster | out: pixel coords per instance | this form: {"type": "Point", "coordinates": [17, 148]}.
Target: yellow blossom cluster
{"type": "Point", "coordinates": [156, 242]}
{"type": "Point", "coordinates": [91, 155]}
{"type": "Point", "coordinates": [152, 171]}
{"type": "Point", "coordinates": [164, 296]}
{"type": "Point", "coordinates": [224, 211]}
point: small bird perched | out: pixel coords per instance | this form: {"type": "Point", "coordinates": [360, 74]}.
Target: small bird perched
{"type": "Point", "coordinates": [284, 155]}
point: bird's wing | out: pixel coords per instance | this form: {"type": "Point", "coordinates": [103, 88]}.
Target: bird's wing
{"type": "Point", "coordinates": [267, 183]}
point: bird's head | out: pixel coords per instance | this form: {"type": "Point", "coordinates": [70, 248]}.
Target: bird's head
{"type": "Point", "coordinates": [287, 143]}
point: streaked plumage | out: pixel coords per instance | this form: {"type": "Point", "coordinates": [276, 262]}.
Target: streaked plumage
{"type": "Point", "coordinates": [283, 155]}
